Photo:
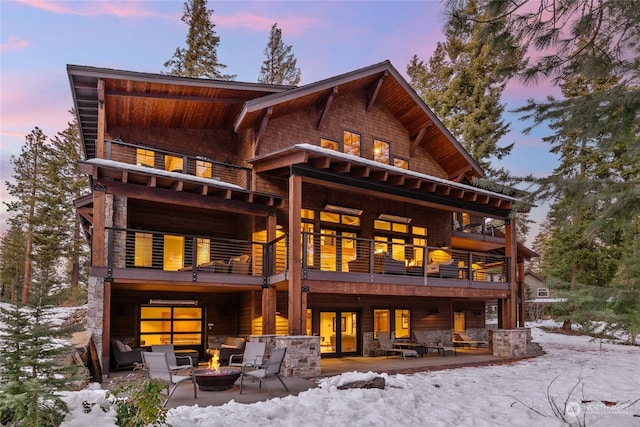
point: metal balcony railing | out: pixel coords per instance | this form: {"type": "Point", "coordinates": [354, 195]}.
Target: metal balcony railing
{"type": "Point", "coordinates": [175, 162]}
{"type": "Point", "coordinates": [335, 253]}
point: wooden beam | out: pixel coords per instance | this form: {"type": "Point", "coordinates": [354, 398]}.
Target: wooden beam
{"type": "Point", "coordinates": [151, 181]}
{"type": "Point", "coordinates": [418, 139]}
{"type": "Point", "coordinates": [374, 90]}
{"type": "Point", "coordinates": [98, 235]}
{"type": "Point", "coordinates": [511, 252]}
{"type": "Point", "coordinates": [321, 163]}
{"type": "Point", "coordinates": [326, 106]}
{"type": "Point", "coordinates": [263, 128]}
{"type": "Point", "coordinates": [177, 186]}
{"type": "Point", "coordinates": [102, 122]}
{"type": "Point", "coordinates": [269, 293]}
{"type": "Point", "coordinates": [360, 171]}
{"type": "Point", "coordinates": [381, 176]}
{"type": "Point", "coordinates": [280, 162]}
{"type": "Point", "coordinates": [459, 175]}
{"type": "Point", "coordinates": [123, 94]}
{"type": "Point", "coordinates": [342, 167]}
{"type": "Point", "coordinates": [412, 183]}
{"type": "Point", "coordinates": [125, 176]}
{"type": "Point", "coordinates": [204, 190]}
{"type": "Point", "coordinates": [443, 190]}
{"type": "Point", "coordinates": [396, 180]}
{"type": "Point", "coordinates": [296, 316]}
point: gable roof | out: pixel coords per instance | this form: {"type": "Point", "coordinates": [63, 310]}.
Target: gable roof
{"type": "Point", "coordinates": [384, 85]}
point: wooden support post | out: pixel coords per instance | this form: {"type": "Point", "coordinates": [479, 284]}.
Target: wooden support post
{"type": "Point", "coordinates": [521, 295]}
{"type": "Point", "coordinates": [98, 229]}
{"type": "Point", "coordinates": [100, 152]}
{"type": "Point", "coordinates": [269, 293]}
{"type": "Point", "coordinates": [511, 251]}
{"type": "Point", "coordinates": [296, 310]}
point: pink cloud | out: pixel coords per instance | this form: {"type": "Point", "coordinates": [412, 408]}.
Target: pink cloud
{"type": "Point", "coordinates": [120, 9]}
{"type": "Point", "coordinates": [14, 43]}
{"type": "Point", "coordinates": [294, 26]}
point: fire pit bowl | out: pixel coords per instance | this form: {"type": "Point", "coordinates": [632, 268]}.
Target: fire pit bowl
{"type": "Point", "coordinates": [217, 379]}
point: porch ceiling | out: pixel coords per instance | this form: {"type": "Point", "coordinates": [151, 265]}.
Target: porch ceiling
{"type": "Point", "coordinates": [332, 166]}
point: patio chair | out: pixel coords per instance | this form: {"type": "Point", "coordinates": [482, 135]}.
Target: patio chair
{"type": "Point", "coordinates": [157, 366]}
{"type": "Point", "coordinates": [124, 357]}
{"type": "Point", "coordinates": [464, 339]}
{"type": "Point", "coordinates": [387, 346]}
{"type": "Point", "coordinates": [269, 369]}
{"type": "Point", "coordinates": [172, 358]}
{"type": "Point", "coordinates": [252, 356]}
{"type": "Point", "coordinates": [421, 337]}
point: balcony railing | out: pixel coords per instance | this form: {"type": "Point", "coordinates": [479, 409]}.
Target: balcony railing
{"type": "Point", "coordinates": [146, 249]}
{"type": "Point", "coordinates": [175, 162]}
{"type": "Point", "coordinates": [173, 252]}
{"type": "Point", "coordinates": [335, 253]}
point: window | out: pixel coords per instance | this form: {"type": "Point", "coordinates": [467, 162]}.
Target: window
{"type": "Point", "coordinates": [402, 327]}
{"type": "Point", "coordinates": [143, 249]}
{"type": "Point", "coordinates": [381, 151]}
{"type": "Point", "coordinates": [419, 243]}
{"type": "Point", "coordinates": [381, 322]}
{"type": "Point", "coordinates": [173, 253]}
{"type": "Point", "coordinates": [145, 157]}
{"type": "Point", "coordinates": [203, 251]}
{"type": "Point", "coordinates": [400, 163]}
{"type": "Point", "coordinates": [543, 292]}
{"type": "Point", "coordinates": [170, 325]}
{"type": "Point", "coordinates": [203, 169]}
{"type": "Point", "coordinates": [173, 163]}
{"type": "Point", "coordinates": [337, 218]}
{"type": "Point", "coordinates": [351, 143]}
{"type": "Point", "coordinates": [329, 144]}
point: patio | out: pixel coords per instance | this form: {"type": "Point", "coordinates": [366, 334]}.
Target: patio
{"type": "Point", "coordinates": [330, 367]}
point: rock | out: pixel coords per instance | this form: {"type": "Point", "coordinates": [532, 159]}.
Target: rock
{"type": "Point", "coordinates": [377, 382]}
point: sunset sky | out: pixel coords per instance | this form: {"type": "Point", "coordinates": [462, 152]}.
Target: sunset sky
{"type": "Point", "coordinates": [39, 38]}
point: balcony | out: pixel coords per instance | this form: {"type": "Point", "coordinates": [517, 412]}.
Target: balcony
{"type": "Point", "coordinates": [152, 255]}
{"type": "Point", "coordinates": [168, 161]}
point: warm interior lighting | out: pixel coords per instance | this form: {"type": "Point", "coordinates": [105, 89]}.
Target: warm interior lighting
{"type": "Point", "coordinates": [394, 218]}
{"type": "Point", "coordinates": [173, 302]}
{"type": "Point", "coordinates": [342, 209]}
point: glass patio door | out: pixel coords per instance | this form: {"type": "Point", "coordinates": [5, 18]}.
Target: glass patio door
{"type": "Point", "coordinates": [339, 332]}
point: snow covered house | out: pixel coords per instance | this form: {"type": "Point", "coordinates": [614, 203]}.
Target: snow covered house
{"type": "Point", "coordinates": [326, 213]}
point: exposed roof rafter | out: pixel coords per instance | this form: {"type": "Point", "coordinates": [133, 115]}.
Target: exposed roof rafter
{"type": "Point", "coordinates": [263, 128]}
{"type": "Point", "coordinates": [374, 90]}
{"type": "Point", "coordinates": [418, 139]}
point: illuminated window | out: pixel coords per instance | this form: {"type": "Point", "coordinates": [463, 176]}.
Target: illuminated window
{"type": "Point", "coordinates": [145, 157]}
{"type": "Point", "coordinates": [339, 218]}
{"type": "Point", "coordinates": [351, 143]}
{"type": "Point", "coordinates": [400, 163]}
{"type": "Point", "coordinates": [381, 151]}
{"type": "Point", "coordinates": [203, 169]}
{"type": "Point", "coordinates": [390, 226]}
{"type": "Point", "coordinates": [329, 144]}
{"type": "Point", "coordinates": [173, 253]}
{"type": "Point", "coordinates": [309, 238]}
{"type": "Point", "coordinates": [307, 214]}
{"type": "Point", "coordinates": [381, 322]}
{"type": "Point", "coordinates": [170, 325]}
{"type": "Point", "coordinates": [203, 251]}
{"type": "Point", "coordinates": [143, 249]}
{"type": "Point", "coordinates": [402, 323]}
{"type": "Point", "coordinates": [419, 243]}
{"type": "Point", "coordinates": [173, 163]}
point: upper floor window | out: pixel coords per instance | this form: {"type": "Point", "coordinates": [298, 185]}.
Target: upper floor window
{"type": "Point", "coordinates": [329, 144]}
{"type": "Point", "coordinates": [144, 157]}
{"type": "Point", "coordinates": [203, 169]}
{"type": "Point", "coordinates": [351, 143]}
{"type": "Point", "coordinates": [400, 163]}
{"type": "Point", "coordinates": [173, 163]}
{"type": "Point", "coordinates": [381, 151]}
{"type": "Point", "coordinates": [543, 292]}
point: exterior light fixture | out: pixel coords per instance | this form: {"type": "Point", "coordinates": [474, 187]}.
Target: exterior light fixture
{"type": "Point", "coordinates": [173, 302]}
{"type": "Point", "coordinates": [343, 210]}
{"type": "Point", "coordinates": [394, 218]}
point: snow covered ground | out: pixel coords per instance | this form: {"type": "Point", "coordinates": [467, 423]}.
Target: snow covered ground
{"type": "Point", "coordinates": [512, 395]}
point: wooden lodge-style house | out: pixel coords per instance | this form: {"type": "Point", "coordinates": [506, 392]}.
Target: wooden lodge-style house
{"type": "Point", "coordinates": [320, 214]}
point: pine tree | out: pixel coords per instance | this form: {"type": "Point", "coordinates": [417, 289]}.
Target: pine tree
{"type": "Point", "coordinates": [200, 57]}
{"type": "Point", "coordinates": [12, 252]}
{"type": "Point", "coordinates": [70, 183]}
{"type": "Point", "coordinates": [463, 83]}
{"type": "Point", "coordinates": [31, 373]}
{"type": "Point", "coordinates": [29, 173]}
{"type": "Point", "coordinates": [279, 67]}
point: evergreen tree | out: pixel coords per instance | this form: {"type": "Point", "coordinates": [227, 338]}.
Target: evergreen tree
{"type": "Point", "coordinates": [29, 173]}
{"type": "Point", "coordinates": [31, 373]}
{"type": "Point", "coordinates": [70, 183]}
{"type": "Point", "coordinates": [12, 247]}
{"type": "Point", "coordinates": [200, 57]}
{"type": "Point", "coordinates": [463, 82]}
{"type": "Point", "coordinates": [279, 67]}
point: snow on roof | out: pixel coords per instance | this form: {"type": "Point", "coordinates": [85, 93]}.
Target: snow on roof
{"type": "Point", "coordinates": [160, 172]}
{"type": "Point", "coordinates": [373, 163]}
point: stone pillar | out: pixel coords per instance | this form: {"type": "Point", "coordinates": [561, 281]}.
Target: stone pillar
{"type": "Point", "coordinates": [95, 315]}
{"type": "Point", "coordinates": [508, 342]}
{"type": "Point", "coordinates": [303, 353]}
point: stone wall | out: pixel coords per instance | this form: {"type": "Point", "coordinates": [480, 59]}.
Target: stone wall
{"type": "Point", "coordinates": [508, 342]}
{"type": "Point", "coordinates": [303, 353]}
{"type": "Point", "coordinates": [95, 315]}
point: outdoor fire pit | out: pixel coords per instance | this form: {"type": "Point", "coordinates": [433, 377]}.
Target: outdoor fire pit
{"type": "Point", "coordinates": [217, 379]}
